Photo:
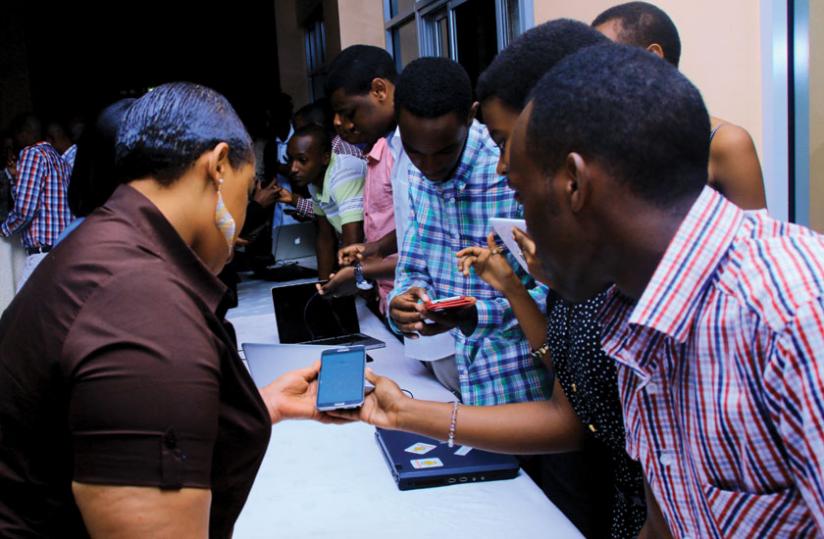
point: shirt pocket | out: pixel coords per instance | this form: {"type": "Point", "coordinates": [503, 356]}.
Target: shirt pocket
{"type": "Point", "coordinates": [775, 514]}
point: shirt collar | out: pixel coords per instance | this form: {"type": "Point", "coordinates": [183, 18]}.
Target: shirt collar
{"type": "Point", "coordinates": [376, 153]}
{"type": "Point", "coordinates": [164, 241]}
{"type": "Point", "coordinates": [703, 239]}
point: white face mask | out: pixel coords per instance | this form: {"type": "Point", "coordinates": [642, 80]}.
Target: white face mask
{"type": "Point", "coordinates": [224, 220]}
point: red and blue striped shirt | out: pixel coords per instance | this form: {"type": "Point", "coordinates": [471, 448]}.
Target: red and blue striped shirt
{"type": "Point", "coordinates": [41, 208]}
{"type": "Point", "coordinates": [721, 375]}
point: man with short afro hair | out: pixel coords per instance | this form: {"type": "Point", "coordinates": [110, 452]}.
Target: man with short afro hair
{"type": "Point", "coordinates": [453, 192]}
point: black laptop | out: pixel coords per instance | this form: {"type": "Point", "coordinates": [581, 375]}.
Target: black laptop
{"type": "Point", "coordinates": [416, 461]}
{"type": "Point", "coordinates": [305, 317]}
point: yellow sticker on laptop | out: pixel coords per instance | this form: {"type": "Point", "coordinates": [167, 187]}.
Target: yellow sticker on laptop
{"type": "Point", "coordinates": [420, 448]}
{"type": "Point", "coordinates": [422, 464]}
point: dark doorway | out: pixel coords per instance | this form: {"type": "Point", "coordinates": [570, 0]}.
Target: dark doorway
{"type": "Point", "coordinates": [81, 58]}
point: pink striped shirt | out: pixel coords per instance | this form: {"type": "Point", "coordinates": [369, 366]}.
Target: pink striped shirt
{"type": "Point", "coordinates": [721, 374]}
{"type": "Point", "coordinates": [378, 209]}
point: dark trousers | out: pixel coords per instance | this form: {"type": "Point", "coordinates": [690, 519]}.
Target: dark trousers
{"type": "Point", "coordinates": [578, 483]}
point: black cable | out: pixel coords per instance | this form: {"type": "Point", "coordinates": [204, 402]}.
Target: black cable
{"type": "Point", "coordinates": [306, 324]}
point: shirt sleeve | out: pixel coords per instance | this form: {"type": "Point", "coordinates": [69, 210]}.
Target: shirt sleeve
{"type": "Point", "coordinates": [496, 315]}
{"type": "Point", "coordinates": [306, 208]}
{"type": "Point", "coordinates": [347, 188]}
{"type": "Point", "coordinates": [145, 393]}
{"type": "Point", "coordinates": [411, 269]}
{"type": "Point", "coordinates": [31, 174]}
{"type": "Point", "coordinates": [799, 399]}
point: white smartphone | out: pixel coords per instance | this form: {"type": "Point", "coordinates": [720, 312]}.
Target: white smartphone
{"type": "Point", "coordinates": [503, 228]}
{"type": "Point", "coordinates": [341, 378]}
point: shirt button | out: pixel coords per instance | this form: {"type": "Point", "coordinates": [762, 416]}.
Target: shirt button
{"type": "Point", "coordinates": [652, 388]}
{"type": "Point", "coordinates": [592, 428]}
{"type": "Point", "coordinates": [666, 458]}
{"type": "Point", "coordinates": [452, 200]}
{"type": "Point", "coordinates": [574, 388]}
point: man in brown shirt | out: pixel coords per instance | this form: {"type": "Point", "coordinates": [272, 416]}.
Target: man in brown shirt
{"type": "Point", "coordinates": [122, 397]}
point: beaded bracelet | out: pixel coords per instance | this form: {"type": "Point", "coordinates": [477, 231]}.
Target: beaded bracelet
{"type": "Point", "coordinates": [539, 352]}
{"type": "Point", "coordinates": [453, 424]}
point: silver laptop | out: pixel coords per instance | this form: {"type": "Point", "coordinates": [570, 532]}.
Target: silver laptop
{"type": "Point", "coordinates": [293, 242]}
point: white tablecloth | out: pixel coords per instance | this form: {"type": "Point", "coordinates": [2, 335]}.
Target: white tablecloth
{"type": "Point", "coordinates": [332, 481]}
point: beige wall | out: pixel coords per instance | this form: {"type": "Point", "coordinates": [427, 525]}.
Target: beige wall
{"type": "Point", "coordinates": [720, 50]}
{"type": "Point", "coordinates": [817, 115]}
{"type": "Point", "coordinates": [347, 22]}
{"type": "Point", "coordinates": [291, 52]}
{"type": "Point", "coordinates": [361, 21]}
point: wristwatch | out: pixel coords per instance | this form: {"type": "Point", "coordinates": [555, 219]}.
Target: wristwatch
{"type": "Point", "coordinates": [360, 280]}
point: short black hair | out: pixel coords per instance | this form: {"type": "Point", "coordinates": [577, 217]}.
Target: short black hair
{"type": "Point", "coordinates": [514, 72]}
{"type": "Point", "coordinates": [354, 68]}
{"type": "Point", "coordinates": [431, 87]}
{"type": "Point", "coordinates": [626, 110]}
{"type": "Point", "coordinates": [318, 133]}
{"type": "Point", "coordinates": [165, 131]}
{"type": "Point", "coordinates": [643, 24]}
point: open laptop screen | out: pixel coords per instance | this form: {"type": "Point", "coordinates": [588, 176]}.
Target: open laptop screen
{"type": "Point", "coordinates": [303, 315]}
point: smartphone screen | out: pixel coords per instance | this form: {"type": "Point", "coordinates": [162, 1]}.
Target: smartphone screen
{"type": "Point", "coordinates": [341, 378]}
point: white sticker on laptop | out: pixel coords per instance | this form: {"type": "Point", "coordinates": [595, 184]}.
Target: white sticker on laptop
{"type": "Point", "coordinates": [463, 451]}
{"type": "Point", "coordinates": [420, 448]}
{"type": "Point", "coordinates": [422, 464]}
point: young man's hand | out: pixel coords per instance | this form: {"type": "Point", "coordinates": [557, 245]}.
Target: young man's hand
{"type": "Point", "coordinates": [266, 196]}
{"type": "Point", "coordinates": [412, 318]}
{"type": "Point", "coordinates": [489, 265]}
{"type": "Point", "coordinates": [463, 318]}
{"type": "Point", "coordinates": [339, 284]}
{"type": "Point", "coordinates": [403, 309]}
{"type": "Point", "coordinates": [356, 252]}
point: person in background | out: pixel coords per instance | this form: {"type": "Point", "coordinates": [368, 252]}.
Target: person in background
{"type": "Point", "coordinates": [734, 170]}
{"type": "Point", "coordinates": [93, 178]}
{"type": "Point", "coordinates": [319, 114]}
{"type": "Point", "coordinates": [336, 185]}
{"type": "Point", "coordinates": [124, 406]}
{"type": "Point", "coordinates": [714, 314]}
{"type": "Point", "coordinates": [57, 136]}
{"type": "Point", "coordinates": [12, 254]}
{"type": "Point", "coordinates": [361, 85]}
{"type": "Point", "coordinates": [41, 209]}
{"type": "Point", "coordinates": [453, 191]}
{"type": "Point", "coordinates": [353, 72]}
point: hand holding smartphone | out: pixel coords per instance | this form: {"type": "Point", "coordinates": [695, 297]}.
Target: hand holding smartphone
{"type": "Point", "coordinates": [341, 378]}
{"type": "Point", "coordinates": [454, 302]}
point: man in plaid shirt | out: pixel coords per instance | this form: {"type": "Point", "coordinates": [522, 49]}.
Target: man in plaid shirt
{"type": "Point", "coordinates": [41, 208]}
{"type": "Point", "coordinates": [715, 317]}
{"type": "Point", "coordinates": [453, 191]}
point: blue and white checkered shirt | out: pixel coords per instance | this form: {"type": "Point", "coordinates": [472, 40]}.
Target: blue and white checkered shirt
{"type": "Point", "coordinates": [493, 363]}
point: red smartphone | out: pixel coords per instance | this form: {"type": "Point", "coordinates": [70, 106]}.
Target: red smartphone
{"type": "Point", "coordinates": [454, 302]}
